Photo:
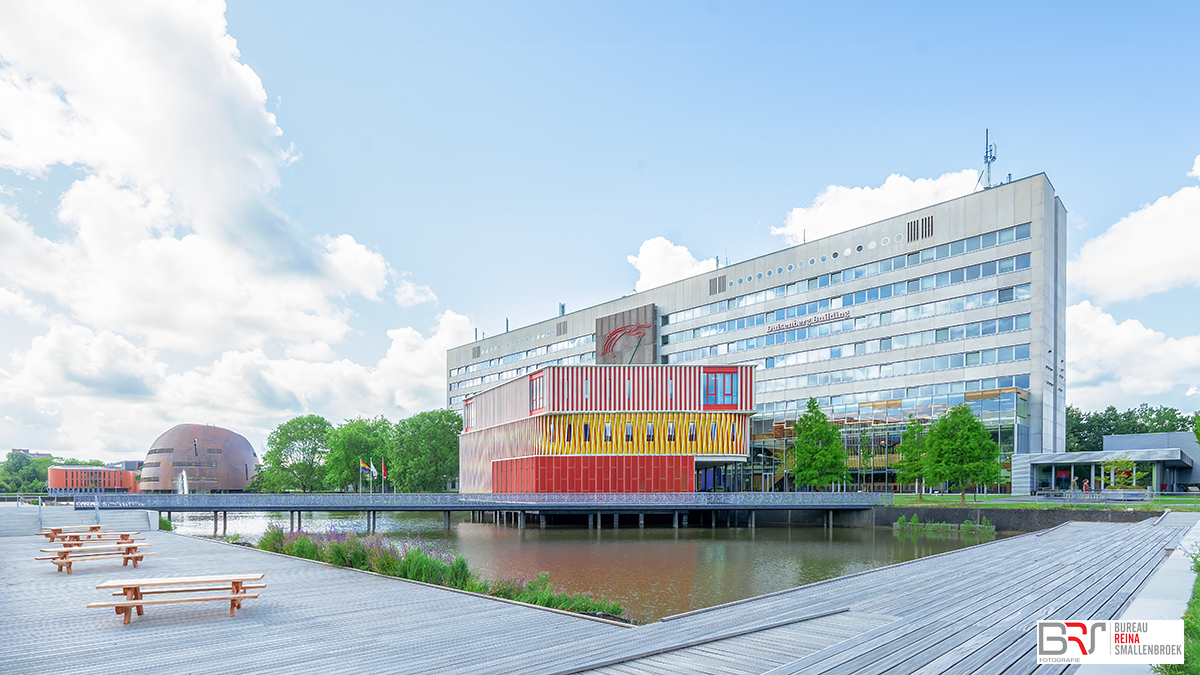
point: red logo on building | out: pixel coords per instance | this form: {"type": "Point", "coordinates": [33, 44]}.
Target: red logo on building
{"type": "Point", "coordinates": [637, 330]}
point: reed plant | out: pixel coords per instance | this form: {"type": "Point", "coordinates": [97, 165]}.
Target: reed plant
{"type": "Point", "coordinates": [413, 559]}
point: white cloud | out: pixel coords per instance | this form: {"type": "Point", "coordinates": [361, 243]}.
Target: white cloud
{"type": "Point", "coordinates": [409, 294]}
{"type": "Point", "coordinates": [840, 208]}
{"type": "Point", "coordinates": [174, 236]}
{"type": "Point", "coordinates": [660, 262]}
{"type": "Point", "coordinates": [1148, 251]}
{"type": "Point", "coordinates": [170, 241]}
{"type": "Point", "coordinates": [1195, 172]}
{"type": "Point", "coordinates": [1110, 363]}
{"type": "Point", "coordinates": [97, 395]}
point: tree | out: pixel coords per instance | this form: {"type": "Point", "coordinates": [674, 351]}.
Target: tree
{"type": "Point", "coordinates": [422, 451]}
{"type": "Point", "coordinates": [960, 449]}
{"type": "Point", "coordinates": [911, 467]}
{"type": "Point", "coordinates": [295, 456]}
{"type": "Point", "coordinates": [818, 457]}
{"type": "Point", "coordinates": [1122, 473]}
{"type": "Point", "coordinates": [1086, 431]}
{"type": "Point", "coordinates": [357, 439]}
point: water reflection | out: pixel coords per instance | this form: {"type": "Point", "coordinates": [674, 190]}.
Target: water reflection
{"type": "Point", "coordinates": [653, 572]}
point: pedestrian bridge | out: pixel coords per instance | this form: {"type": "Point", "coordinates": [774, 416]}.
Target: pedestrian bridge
{"type": "Point", "coordinates": [556, 503]}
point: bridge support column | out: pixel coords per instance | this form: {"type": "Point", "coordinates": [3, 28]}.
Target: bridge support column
{"type": "Point", "coordinates": [599, 526]}
{"type": "Point", "coordinates": [713, 516]}
{"type": "Point", "coordinates": [641, 521]}
{"type": "Point", "coordinates": [224, 522]}
{"type": "Point", "coordinates": [542, 517]}
{"type": "Point", "coordinates": [214, 523]}
{"type": "Point", "coordinates": [446, 520]}
{"type": "Point", "coordinates": [685, 514]}
{"type": "Point", "coordinates": [616, 521]}
{"type": "Point", "coordinates": [590, 517]}
{"type": "Point", "coordinates": [521, 519]}
{"type": "Point", "coordinates": [752, 512]}
{"type": "Point", "coordinates": [675, 520]}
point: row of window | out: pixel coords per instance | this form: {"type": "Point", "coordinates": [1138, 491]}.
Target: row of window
{"type": "Point", "coordinates": [714, 432]}
{"type": "Point", "coordinates": [910, 313]}
{"type": "Point", "coordinates": [578, 359]}
{"type": "Point", "coordinates": [987, 384]}
{"type": "Point", "coordinates": [940, 307]}
{"type": "Point", "coordinates": [914, 366]}
{"type": "Point", "coordinates": [580, 341]}
{"type": "Point", "coordinates": [961, 246]}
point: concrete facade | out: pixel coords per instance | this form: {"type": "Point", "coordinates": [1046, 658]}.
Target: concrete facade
{"type": "Point", "coordinates": [825, 319]}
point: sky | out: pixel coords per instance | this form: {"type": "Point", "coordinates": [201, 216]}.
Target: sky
{"type": "Point", "coordinates": [237, 215]}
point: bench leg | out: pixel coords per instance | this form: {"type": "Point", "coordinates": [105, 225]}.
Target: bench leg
{"type": "Point", "coordinates": [128, 614]}
{"type": "Point", "coordinates": [232, 605]}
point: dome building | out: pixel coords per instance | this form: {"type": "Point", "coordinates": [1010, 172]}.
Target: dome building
{"type": "Point", "coordinates": [213, 460]}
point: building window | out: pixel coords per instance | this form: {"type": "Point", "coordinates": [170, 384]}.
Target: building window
{"type": "Point", "coordinates": [649, 431]}
{"type": "Point", "coordinates": [587, 388]}
{"type": "Point", "coordinates": [628, 389]}
{"type": "Point", "coordinates": [551, 433]}
{"type": "Point", "coordinates": [608, 432]}
{"type": "Point", "coordinates": [587, 432]}
{"type": "Point", "coordinates": [692, 432]}
{"type": "Point", "coordinates": [720, 389]}
{"type": "Point", "coordinates": [713, 432]}
{"type": "Point", "coordinates": [537, 393]}
{"type": "Point", "coordinates": [733, 432]}
{"type": "Point", "coordinates": [568, 432]}
{"type": "Point", "coordinates": [629, 432]}
{"type": "Point", "coordinates": [671, 432]}
{"type": "Point", "coordinates": [670, 388]}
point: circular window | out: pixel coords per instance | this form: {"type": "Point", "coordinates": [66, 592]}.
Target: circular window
{"type": "Point", "coordinates": [846, 252]}
{"type": "Point", "coordinates": [899, 237]}
{"type": "Point", "coordinates": [885, 241]}
{"type": "Point", "coordinates": [780, 270]}
{"type": "Point", "coordinates": [768, 272]}
{"type": "Point", "coordinates": [871, 246]}
{"type": "Point", "coordinates": [790, 268]}
{"type": "Point", "coordinates": [739, 281]}
{"type": "Point", "coordinates": [731, 284]}
{"type": "Point", "coordinates": [812, 261]}
{"type": "Point", "coordinates": [835, 255]}
{"type": "Point", "coordinates": [858, 248]}
{"type": "Point", "coordinates": [760, 275]}
{"type": "Point", "coordinates": [824, 258]}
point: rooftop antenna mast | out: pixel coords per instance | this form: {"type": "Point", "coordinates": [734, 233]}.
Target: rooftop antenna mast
{"type": "Point", "coordinates": [989, 156]}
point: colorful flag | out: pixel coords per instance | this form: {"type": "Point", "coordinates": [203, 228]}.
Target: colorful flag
{"type": "Point", "coordinates": [384, 463]}
{"type": "Point", "coordinates": [374, 473]}
{"type": "Point", "coordinates": [362, 466]}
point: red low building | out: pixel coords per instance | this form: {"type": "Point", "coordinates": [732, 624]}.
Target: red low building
{"type": "Point", "coordinates": [73, 480]}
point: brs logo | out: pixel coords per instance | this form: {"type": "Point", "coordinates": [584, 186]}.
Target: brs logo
{"type": "Point", "coordinates": [1056, 637]}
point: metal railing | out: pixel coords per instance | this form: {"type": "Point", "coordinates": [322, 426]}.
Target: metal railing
{"type": "Point", "coordinates": [1093, 496]}
{"type": "Point", "coordinates": [483, 502]}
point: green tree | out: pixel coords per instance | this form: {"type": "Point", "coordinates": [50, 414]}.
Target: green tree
{"type": "Point", "coordinates": [357, 439]}
{"type": "Point", "coordinates": [911, 467]}
{"type": "Point", "coordinates": [1086, 430]}
{"type": "Point", "coordinates": [295, 456]}
{"type": "Point", "coordinates": [960, 449]}
{"type": "Point", "coordinates": [422, 451]}
{"type": "Point", "coordinates": [818, 457]}
{"type": "Point", "coordinates": [1121, 473]}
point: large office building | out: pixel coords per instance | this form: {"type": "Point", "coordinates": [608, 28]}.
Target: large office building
{"type": "Point", "coordinates": [962, 301]}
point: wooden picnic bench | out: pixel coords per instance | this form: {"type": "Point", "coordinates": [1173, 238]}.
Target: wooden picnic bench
{"type": "Point", "coordinates": [64, 557]}
{"type": "Point", "coordinates": [59, 529]}
{"type": "Point", "coordinates": [95, 536]}
{"type": "Point", "coordinates": [121, 538]}
{"type": "Point", "coordinates": [233, 585]}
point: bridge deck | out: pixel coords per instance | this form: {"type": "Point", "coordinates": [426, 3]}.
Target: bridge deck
{"type": "Point", "coordinates": [970, 610]}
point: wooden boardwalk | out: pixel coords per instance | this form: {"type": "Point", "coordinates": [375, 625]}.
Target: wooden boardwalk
{"type": "Point", "coordinates": [967, 611]}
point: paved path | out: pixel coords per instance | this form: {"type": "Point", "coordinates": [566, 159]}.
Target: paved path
{"type": "Point", "coordinates": [970, 610]}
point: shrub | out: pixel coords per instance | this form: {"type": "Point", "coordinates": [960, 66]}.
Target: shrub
{"type": "Point", "coordinates": [902, 522]}
{"type": "Point", "coordinates": [164, 524]}
{"type": "Point", "coordinates": [272, 540]}
{"type": "Point", "coordinates": [303, 547]}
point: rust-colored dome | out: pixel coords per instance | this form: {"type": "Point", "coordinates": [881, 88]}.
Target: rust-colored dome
{"type": "Point", "coordinates": [214, 459]}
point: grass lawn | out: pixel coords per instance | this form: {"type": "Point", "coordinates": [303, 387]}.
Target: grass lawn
{"type": "Point", "coordinates": [995, 502]}
{"type": "Point", "coordinates": [1191, 637]}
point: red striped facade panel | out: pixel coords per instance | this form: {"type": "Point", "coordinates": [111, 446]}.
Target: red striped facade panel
{"type": "Point", "coordinates": [637, 388]}
{"type": "Point", "coordinates": [594, 474]}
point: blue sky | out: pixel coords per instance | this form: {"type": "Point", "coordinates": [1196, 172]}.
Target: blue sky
{"type": "Point", "coordinates": [237, 215]}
